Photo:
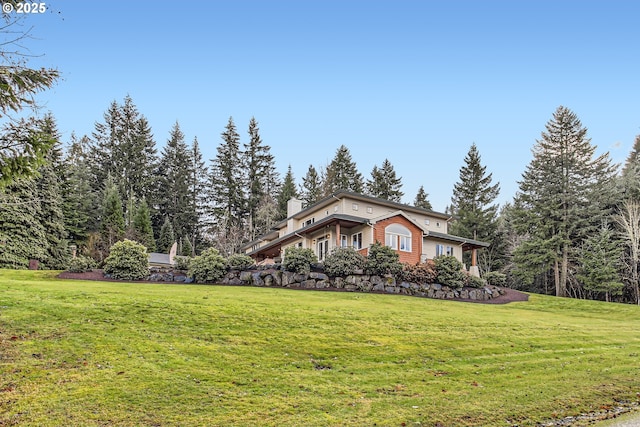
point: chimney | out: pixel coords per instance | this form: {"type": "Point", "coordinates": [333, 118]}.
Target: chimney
{"type": "Point", "coordinates": [293, 207]}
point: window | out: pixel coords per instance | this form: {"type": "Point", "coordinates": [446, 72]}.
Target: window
{"type": "Point", "coordinates": [426, 222]}
{"type": "Point", "coordinates": [343, 241]}
{"type": "Point", "coordinates": [309, 222]}
{"type": "Point", "coordinates": [405, 243]}
{"type": "Point", "coordinates": [391, 240]}
{"type": "Point", "coordinates": [449, 250]}
{"type": "Point", "coordinates": [335, 208]}
{"type": "Point", "coordinates": [369, 209]}
{"type": "Point", "coordinates": [356, 241]}
{"type": "Point", "coordinates": [299, 244]}
{"type": "Point", "coordinates": [439, 250]}
{"type": "Point", "coordinates": [398, 236]}
{"type": "Point", "coordinates": [354, 206]}
{"type": "Point", "coordinates": [438, 224]}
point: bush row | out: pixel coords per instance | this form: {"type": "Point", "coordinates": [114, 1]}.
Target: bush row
{"type": "Point", "coordinates": [128, 260]}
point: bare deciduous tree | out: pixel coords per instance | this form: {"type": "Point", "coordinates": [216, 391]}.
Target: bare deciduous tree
{"type": "Point", "coordinates": [629, 221]}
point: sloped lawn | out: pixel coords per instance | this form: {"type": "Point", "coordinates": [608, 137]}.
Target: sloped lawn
{"type": "Point", "coordinates": [123, 354]}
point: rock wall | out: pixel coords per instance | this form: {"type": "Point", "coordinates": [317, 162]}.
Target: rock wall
{"type": "Point", "coordinates": [355, 283]}
{"type": "Point", "coordinates": [273, 277]}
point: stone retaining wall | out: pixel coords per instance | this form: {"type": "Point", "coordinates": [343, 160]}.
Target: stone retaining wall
{"type": "Point", "coordinates": [355, 283]}
{"type": "Point", "coordinates": [272, 277]}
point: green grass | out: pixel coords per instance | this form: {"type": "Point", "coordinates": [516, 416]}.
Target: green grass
{"type": "Point", "coordinates": [119, 354]}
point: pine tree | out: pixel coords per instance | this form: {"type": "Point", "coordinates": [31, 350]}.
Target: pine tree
{"type": "Point", "coordinates": [174, 198]}
{"type": "Point", "coordinates": [51, 203]}
{"type": "Point", "coordinates": [560, 201]}
{"type": "Point", "coordinates": [342, 174]}
{"type": "Point", "coordinates": [185, 248]}
{"type": "Point", "coordinates": [473, 206]}
{"type": "Point", "coordinates": [226, 192]}
{"type": "Point", "coordinates": [141, 228]}
{"type": "Point", "coordinates": [261, 175]}
{"type": "Point", "coordinates": [197, 190]}
{"type": "Point", "coordinates": [311, 190]}
{"type": "Point", "coordinates": [22, 236]}
{"type": "Point", "coordinates": [599, 267]}
{"type": "Point", "coordinates": [81, 207]}
{"type": "Point", "coordinates": [287, 192]}
{"type": "Point", "coordinates": [124, 149]}
{"type": "Point", "coordinates": [167, 237]}
{"type": "Point", "coordinates": [112, 224]}
{"type": "Point", "coordinates": [384, 184]}
{"type": "Point", "coordinates": [629, 181]}
{"type": "Point", "coordinates": [421, 200]}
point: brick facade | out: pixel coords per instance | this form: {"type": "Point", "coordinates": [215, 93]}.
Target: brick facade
{"type": "Point", "coordinates": [412, 257]}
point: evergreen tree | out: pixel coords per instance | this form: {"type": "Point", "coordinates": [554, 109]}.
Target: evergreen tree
{"type": "Point", "coordinates": [600, 264]}
{"type": "Point", "coordinates": [186, 249]}
{"type": "Point", "coordinates": [311, 190]}
{"type": "Point", "coordinates": [473, 206]}
{"type": "Point", "coordinates": [261, 174]}
{"type": "Point", "coordinates": [141, 228]}
{"type": "Point", "coordinates": [287, 192]}
{"type": "Point", "coordinates": [560, 201]}
{"type": "Point", "coordinates": [167, 237]}
{"type": "Point", "coordinates": [22, 236]}
{"type": "Point", "coordinates": [81, 207]}
{"type": "Point", "coordinates": [20, 157]}
{"type": "Point", "coordinates": [174, 198]}
{"type": "Point", "coordinates": [197, 190]}
{"type": "Point", "coordinates": [51, 203]}
{"type": "Point", "coordinates": [384, 184]}
{"type": "Point", "coordinates": [226, 191]}
{"type": "Point", "coordinates": [112, 224]}
{"type": "Point", "coordinates": [124, 149]}
{"type": "Point", "coordinates": [342, 174]}
{"type": "Point", "coordinates": [629, 181]}
{"type": "Point", "coordinates": [421, 200]}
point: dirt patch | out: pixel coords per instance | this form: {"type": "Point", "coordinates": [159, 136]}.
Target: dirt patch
{"type": "Point", "coordinates": [510, 295]}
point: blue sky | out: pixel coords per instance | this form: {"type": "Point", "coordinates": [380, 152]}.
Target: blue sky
{"type": "Point", "coordinates": [416, 82]}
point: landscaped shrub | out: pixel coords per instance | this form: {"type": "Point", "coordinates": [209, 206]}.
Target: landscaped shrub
{"type": "Point", "coordinates": [298, 260]}
{"type": "Point", "coordinates": [343, 262]}
{"type": "Point", "coordinates": [208, 267]}
{"type": "Point", "coordinates": [449, 271]}
{"type": "Point", "coordinates": [181, 262]}
{"type": "Point", "coordinates": [383, 260]}
{"type": "Point", "coordinates": [495, 278]}
{"type": "Point", "coordinates": [81, 264]}
{"type": "Point", "coordinates": [239, 261]}
{"type": "Point", "coordinates": [475, 282]}
{"type": "Point", "coordinates": [127, 260]}
{"type": "Point", "coordinates": [424, 272]}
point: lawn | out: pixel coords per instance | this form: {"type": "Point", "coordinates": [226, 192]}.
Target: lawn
{"type": "Point", "coordinates": [131, 354]}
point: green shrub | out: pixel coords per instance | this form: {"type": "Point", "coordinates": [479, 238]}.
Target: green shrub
{"type": "Point", "coordinates": [424, 272]}
{"type": "Point", "coordinates": [208, 267]}
{"type": "Point", "coordinates": [239, 261]}
{"type": "Point", "coordinates": [127, 260]}
{"type": "Point", "coordinates": [81, 263]}
{"type": "Point", "coordinates": [181, 262]}
{"type": "Point", "coordinates": [475, 282]}
{"type": "Point", "coordinates": [449, 271]}
{"type": "Point", "coordinates": [383, 260]}
{"type": "Point", "coordinates": [343, 262]}
{"type": "Point", "coordinates": [298, 260]}
{"type": "Point", "coordinates": [495, 278]}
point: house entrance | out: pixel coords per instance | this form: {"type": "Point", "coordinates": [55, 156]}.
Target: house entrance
{"type": "Point", "coordinates": [323, 248]}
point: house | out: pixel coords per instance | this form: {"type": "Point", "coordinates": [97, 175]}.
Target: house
{"type": "Point", "coordinates": [347, 219]}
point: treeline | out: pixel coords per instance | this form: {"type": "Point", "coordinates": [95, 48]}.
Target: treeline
{"type": "Point", "coordinates": [573, 228]}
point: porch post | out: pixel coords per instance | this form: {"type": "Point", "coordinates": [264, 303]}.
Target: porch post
{"type": "Point", "coordinates": [474, 257]}
{"type": "Point", "coordinates": [337, 235]}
